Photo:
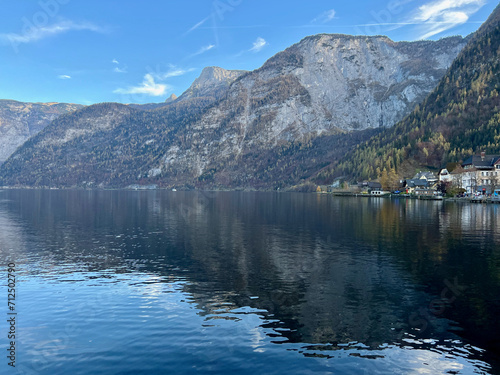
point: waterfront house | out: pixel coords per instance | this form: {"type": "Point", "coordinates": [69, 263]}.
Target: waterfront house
{"type": "Point", "coordinates": [374, 186]}
{"type": "Point", "coordinates": [428, 176]}
{"type": "Point", "coordinates": [444, 175]}
{"type": "Point", "coordinates": [416, 185]}
{"type": "Point", "coordinates": [369, 186]}
{"type": "Point", "coordinates": [480, 173]}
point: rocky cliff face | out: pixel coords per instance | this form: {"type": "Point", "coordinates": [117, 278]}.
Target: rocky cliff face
{"type": "Point", "coordinates": [212, 82]}
{"type": "Point", "coordinates": [459, 118]}
{"type": "Point", "coordinates": [273, 127]}
{"type": "Point", "coordinates": [19, 121]}
{"type": "Point", "coordinates": [323, 85]}
{"type": "Point", "coordinates": [171, 98]}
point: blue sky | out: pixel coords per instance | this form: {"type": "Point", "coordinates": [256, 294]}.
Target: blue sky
{"type": "Point", "coordinates": [129, 51]}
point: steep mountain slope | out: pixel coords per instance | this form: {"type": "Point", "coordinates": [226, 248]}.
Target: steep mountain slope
{"type": "Point", "coordinates": [269, 128]}
{"type": "Point", "coordinates": [324, 85]}
{"type": "Point", "coordinates": [213, 82]}
{"type": "Point", "coordinates": [106, 144]}
{"type": "Point", "coordinates": [19, 121]}
{"type": "Point", "coordinates": [148, 106]}
{"type": "Point", "coordinates": [460, 117]}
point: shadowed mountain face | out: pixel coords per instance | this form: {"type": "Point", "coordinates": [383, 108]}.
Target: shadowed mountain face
{"type": "Point", "coordinates": [273, 127]}
{"type": "Point", "coordinates": [19, 121]}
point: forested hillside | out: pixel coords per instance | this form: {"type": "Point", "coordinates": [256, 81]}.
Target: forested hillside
{"type": "Point", "coordinates": [106, 144]}
{"type": "Point", "coordinates": [459, 118]}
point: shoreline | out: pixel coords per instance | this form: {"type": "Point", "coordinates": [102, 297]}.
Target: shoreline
{"type": "Point", "coordinates": [334, 194]}
{"type": "Point", "coordinates": [418, 197]}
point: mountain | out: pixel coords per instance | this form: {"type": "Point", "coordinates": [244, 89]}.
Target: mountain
{"type": "Point", "coordinates": [259, 133]}
{"type": "Point", "coordinates": [147, 106]}
{"type": "Point", "coordinates": [171, 98]}
{"type": "Point", "coordinates": [272, 127]}
{"type": "Point", "coordinates": [459, 118]}
{"type": "Point", "coordinates": [19, 121]}
{"type": "Point", "coordinates": [212, 82]}
{"type": "Point", "coordinates": [106, 144]}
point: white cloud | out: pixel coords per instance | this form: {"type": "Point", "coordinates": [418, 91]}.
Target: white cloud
{"type": "Point", "coordinates": [63, 76]}
{"type": "Point", "coordinates": [197, 25]}
{"type": "Point", "coordinates": [37, 33]}
{"type": "Point", "coordinates": [118, 68]}
{"type": "Point", "coordinates": [203, 50]}
{"type": "Point", "coordinates": [440, 15]}
{"type": "Point", "coordinates": [325, 17]}
{"type": "Point", "coordinates": [258, 45]}
{"type": "Point", "coordinates": [151, 84]}
{"type": "Point", "coordinates": [173, 71]}
{"type": "Point", "coordinates": [147, 87]}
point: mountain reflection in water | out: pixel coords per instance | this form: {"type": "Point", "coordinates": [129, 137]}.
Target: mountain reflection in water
{"type": "Point", "coordinates": [253, 282]}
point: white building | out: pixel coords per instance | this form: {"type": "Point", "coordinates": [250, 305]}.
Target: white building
{"type": "Point", "coordinates": [445, 176]}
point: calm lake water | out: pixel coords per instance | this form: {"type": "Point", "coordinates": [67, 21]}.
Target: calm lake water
{"type": "Point", "coordinates": [155, 282]}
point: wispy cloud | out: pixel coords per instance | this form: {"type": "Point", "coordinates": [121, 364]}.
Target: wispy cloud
{"type": "Point", "coordinates": [119, 68]}
{"type": "Point", "coordinates": [173, 72]}
{"type": "Point", "coordinates": [440, 15]}
{"type": "Point", "coordinates": [64, 76]}
{"type": "Point", "coordinates": [153, 83]}
{"type": "Point", "coordinates": [258, 45]}
{"type": "Point", "coordinates": [197, 25]}
{"type": "Point", "coordinates": [147, 87]}
{"type": "Point", "coordinates": [325, 17]}
{"type": "Point", "coordinates": [203, 50]}
{"type": "Point", "coordinates": [38, 33]}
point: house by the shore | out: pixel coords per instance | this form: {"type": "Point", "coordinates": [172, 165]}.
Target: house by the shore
{"type": "Point", "coordinates": [478, 174]}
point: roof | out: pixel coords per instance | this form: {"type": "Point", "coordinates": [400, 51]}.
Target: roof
{"type": "Point", "coordinates": [374, 185]}
{"type": "Point", "coordinates": [417, 183]}
{"type": "Point", "coordinates": [477, 161]}
{"type": "Point", "coordinates": [425, 175]}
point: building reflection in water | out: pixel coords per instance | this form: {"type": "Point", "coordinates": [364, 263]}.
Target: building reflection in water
{"type": "Point", "coordinates": [318, 269]}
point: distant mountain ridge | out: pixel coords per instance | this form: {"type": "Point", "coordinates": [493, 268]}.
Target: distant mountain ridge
{"type": "Point", "coordinates": [272, 127]}
{"type": "Point", "coordinates": [20, 121]}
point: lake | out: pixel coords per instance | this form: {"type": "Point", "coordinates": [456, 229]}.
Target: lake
{"type": "Point", "coordinates": [160, 282]}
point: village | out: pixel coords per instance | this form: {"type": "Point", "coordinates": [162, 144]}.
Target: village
{"type": "Point", "coordinates": [477, 179]}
